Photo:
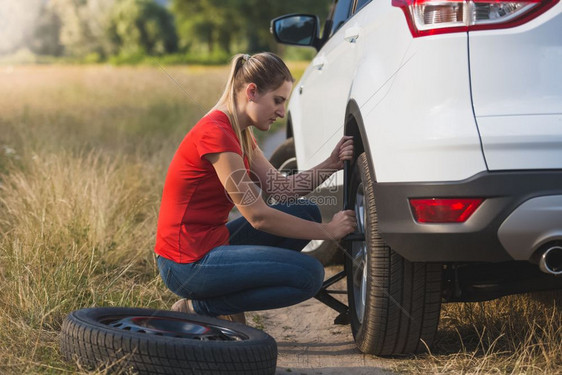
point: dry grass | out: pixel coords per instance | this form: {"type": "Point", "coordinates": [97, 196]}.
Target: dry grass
{"type": "Point", "coordinates": [512, 335]}
{"type": "Point", "coordinates": [83, 155]}
{"type": "Point", "coordinates": [102, 107]}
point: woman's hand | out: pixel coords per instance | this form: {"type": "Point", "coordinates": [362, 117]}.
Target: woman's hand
{"type": "Point", "coordinates": [342, 224]}
{"type": "Point", "coordinates": [343, 151]}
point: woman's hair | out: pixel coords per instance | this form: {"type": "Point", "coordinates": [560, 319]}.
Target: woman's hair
{"type": "Point", "coordinates": [267, 71]}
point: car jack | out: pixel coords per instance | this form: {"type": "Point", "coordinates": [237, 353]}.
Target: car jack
{"type": "Point", "coordinates": [325, 295]}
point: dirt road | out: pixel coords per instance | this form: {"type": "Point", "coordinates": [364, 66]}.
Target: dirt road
{"type": "Point", "coordinates": [310, 343]}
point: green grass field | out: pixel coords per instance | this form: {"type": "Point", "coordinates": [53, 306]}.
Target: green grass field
{"type": "Point", "coordinates": [83, 156]}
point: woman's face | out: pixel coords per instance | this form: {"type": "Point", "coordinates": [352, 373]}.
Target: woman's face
{"type": "Point", "coordinates": [265, 108]}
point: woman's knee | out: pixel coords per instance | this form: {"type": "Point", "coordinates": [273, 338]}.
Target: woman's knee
{"type": "Point", "coordinates": [304, 209]}
{"type": "Point", "coordinates": [315, 277]}
{"type": "Point", "coordinates": [309, 211]}
{"type": "Point", "coordinates": [314, 212]}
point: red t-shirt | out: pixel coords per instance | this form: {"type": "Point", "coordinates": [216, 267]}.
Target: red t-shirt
{"type": "Point", "coordinates": [195, 206]}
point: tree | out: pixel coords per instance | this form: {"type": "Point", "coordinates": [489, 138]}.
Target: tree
{"type": "Point", "coordinates": [81, 25]}
{"type": "Point", "coordinates": [259, 14]}
{"type": "Point", "coordinates": [142, 27]}
{"type": "Point", "coordinates": [212, 23]}
{"type": "Point", "coordinates": [45, 38]}
{"type": "Point", "coordinates": [221, 23]}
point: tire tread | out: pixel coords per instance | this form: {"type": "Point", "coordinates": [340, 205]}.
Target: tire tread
{"type": "Point", "coordinates": [403, 298]}
{"type": "Point", "coordinates": [95, 345]}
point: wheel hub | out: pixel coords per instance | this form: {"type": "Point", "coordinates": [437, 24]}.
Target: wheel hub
{"type": "Point", "coordinates": [359, 257]}
{"type": "Point", "coordinates": [174, 327]}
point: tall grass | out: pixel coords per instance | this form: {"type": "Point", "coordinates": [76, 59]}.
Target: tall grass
{"type": "Point", "coordinates": [76, 232]}
{"type": "Point", "coordinates": [512, 335]}
{"type": "Point", "coordinates": [83, 155]}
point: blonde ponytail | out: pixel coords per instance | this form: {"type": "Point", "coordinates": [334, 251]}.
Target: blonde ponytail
{"type": "Point", "coordinates": [267, 71]}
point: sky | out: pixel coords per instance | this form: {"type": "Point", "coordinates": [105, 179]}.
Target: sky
{"type": "Point", "coordinates": [17, 17]}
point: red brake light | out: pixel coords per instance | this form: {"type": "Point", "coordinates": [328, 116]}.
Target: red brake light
{"type": "Point", "coordinates": [429, 17]}
{"type": "Point", "coordinates": [449, 210]}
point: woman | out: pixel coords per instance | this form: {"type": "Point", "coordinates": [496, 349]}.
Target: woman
{"type": "Point", "coordinates": [252, 263]}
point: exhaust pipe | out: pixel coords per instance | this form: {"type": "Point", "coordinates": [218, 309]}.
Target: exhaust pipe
{"type": "Point", "coordinates": [551, 260]}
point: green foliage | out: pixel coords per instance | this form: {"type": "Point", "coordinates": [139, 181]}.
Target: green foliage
{"type": "Point", "coordinates": [212, 23]}
{"type": "Point", "coordinates": [294, 53]}
{"type": "Point", "coordinates": [135, 31]}
{"type": "Point", "coordinates": [259, 14]}
{"type": "Point", "coordinates": [222, 24]}
{"type": "Point", "coordinates": [140, 27]}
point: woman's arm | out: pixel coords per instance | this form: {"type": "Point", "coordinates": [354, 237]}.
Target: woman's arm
{"type": "Point", "coordinates": [246, 196]}
{"type": "Point", "coordinates": [297, 185]}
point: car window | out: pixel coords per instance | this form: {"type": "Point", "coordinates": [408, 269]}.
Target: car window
{"type": "Point", "coordinates": [361, 4]}
{"type": "Point", "coordinates": [341, 14]}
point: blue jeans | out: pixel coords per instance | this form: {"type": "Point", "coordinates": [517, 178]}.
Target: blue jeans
{"type": "Point", "coordinates": [256, 271]}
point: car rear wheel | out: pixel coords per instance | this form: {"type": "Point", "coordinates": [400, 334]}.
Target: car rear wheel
{"type": "Point", "coordinates": [284, 159]}
{"type": "Point", "coordinates": [394, 304]}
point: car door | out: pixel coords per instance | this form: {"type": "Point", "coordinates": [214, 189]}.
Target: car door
{"type": "Point", "coordinates": [327, 86]}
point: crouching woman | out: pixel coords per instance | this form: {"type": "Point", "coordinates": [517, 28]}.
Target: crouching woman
{"type": "Point", "coordinates": [222, 268]}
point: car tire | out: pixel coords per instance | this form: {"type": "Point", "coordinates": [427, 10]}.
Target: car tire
{"type": "Point", "coordinates": [394, 304]}
{"type": "Point", "coordinates": [164, 342]}
{"type": "Point", "coordinates": [284, 159]}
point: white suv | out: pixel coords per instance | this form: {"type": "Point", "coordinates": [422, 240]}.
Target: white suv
{"type": "Point", "coordinates": [456, 111]}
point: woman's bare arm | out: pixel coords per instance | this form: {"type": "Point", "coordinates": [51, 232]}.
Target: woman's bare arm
{"type": "Point", "coordinates": [245, 195]}
{"type": "Point", "coordinates": [300, 184]}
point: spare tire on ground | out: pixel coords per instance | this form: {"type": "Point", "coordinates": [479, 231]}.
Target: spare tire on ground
{"type": "Point", "coordinates": [165, 342]}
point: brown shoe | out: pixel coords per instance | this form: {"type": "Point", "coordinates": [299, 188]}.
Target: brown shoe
{"type": "Point", "coordinates": [183, 305]}
{"type": "Point", "coordinates": [236, 318]}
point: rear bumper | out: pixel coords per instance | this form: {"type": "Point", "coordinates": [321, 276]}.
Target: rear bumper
{"type": "Point", "coordinates": [476, 240]}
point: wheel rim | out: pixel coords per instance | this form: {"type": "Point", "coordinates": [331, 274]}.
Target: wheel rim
{"type": "Point", "coordinates": [288, 167]}
{"type": "Point", "coordinates": [312, 246]}
{"type": "Point", "coordinates": [359, 258]}
{"type": "Point", "coordinates": [174, 327]}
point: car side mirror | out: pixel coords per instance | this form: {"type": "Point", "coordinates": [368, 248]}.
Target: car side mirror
{"type": "Point", "coordinates": [296, 29]}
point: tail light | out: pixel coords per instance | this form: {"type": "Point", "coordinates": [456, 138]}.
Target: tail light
{"type": "Point", "coordinates": [429, 17]}
{"type": "Point", "coordinates": [449, 210]}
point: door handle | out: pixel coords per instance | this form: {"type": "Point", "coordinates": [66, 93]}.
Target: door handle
{"type": "Point", "coordinates": [318, 66]}
{"type": "Point", "coordinates": [352, 34]}
{"type": "Point", "coordinates": [318, 63]}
